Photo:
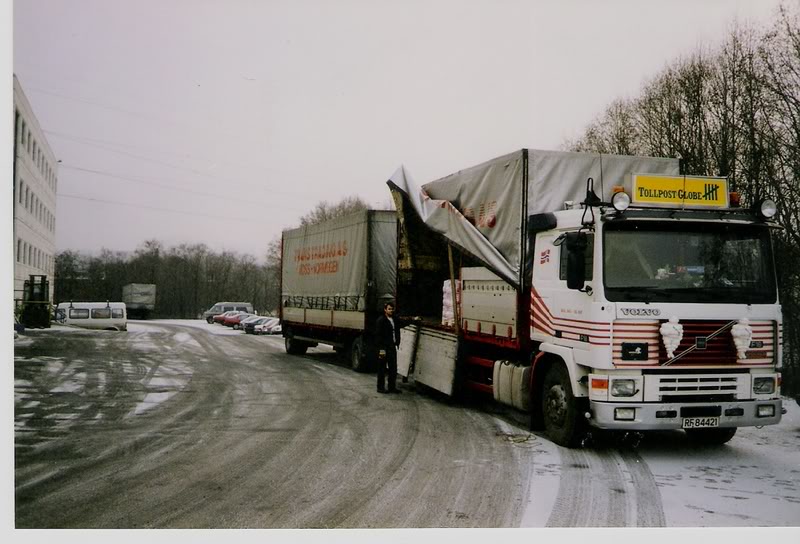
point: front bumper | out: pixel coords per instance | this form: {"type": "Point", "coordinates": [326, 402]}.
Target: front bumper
{"type": "Point", "coordinates": [602, 414]}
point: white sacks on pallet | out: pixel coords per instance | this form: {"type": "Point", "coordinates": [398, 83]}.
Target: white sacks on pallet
{"type": "Point", "coordinates": [448, 316]}
{"type": "Point", "coordinates": [511, 384]}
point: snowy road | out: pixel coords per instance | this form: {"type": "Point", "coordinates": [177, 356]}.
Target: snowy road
{"type": "Point", "coordinates": [185, 424]}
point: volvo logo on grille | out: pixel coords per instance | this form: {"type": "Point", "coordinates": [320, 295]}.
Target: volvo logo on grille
{"type": "Point", "coordinates": [641, 311]}
{"type": "Point", "coordinates": [701, 342]}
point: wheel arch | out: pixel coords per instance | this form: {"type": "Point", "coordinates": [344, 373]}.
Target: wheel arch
{"type": "Point", "coordinates": [566, 356]}
{"type": "Point", "coordinates": [547, 356]}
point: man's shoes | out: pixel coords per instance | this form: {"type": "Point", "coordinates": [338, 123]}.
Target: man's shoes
{"type": "Point", "coordinates": [382, 391]}
{"type": "Point", "coordinates": [396, 391]}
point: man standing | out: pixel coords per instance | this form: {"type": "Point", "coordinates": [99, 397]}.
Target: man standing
{"type": "Point", "coordinates": [388, 340]}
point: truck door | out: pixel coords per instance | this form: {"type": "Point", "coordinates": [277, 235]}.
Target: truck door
{"type": "Point", "coordinates": [560, 315]}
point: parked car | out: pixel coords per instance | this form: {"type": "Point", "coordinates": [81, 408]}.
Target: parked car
{"type": "Point", "coordinates": [220, 317]}
{"type": "Point", "coordinates": [267, 326]}
{"type": "Point", "coordinates": [249, 325]}
{"type": "Point", "coordinates": [222, 307]}
{"type": "Point", "coordinates": [234, 319]}
{"type": "Point", "coordinates": [273, 327]}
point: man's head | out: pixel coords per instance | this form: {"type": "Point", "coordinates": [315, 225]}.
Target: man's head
{"type": "Point", "coordinates": [388, 309]}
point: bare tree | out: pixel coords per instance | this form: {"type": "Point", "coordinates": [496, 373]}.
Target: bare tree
{"type": "Point", "coordinates": [325, 210]}
{"type": "Point", "coordinates": [732, 111]}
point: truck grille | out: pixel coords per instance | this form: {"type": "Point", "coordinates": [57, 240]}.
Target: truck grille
{"type": "Point", "coordinates": [717, 351]}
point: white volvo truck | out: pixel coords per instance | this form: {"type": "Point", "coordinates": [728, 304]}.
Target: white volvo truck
{"type": "Point", "coordinates": [595, 291]}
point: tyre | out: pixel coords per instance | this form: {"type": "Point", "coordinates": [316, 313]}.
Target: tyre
{"type": "Point", "coordinates": [210, 320]}
{"type": "Point", "coordinates": [294, 347]}
{"type": "Point", "coordinates": [358, 360]}
{"type": "Point", "coordinates": [562, 418]}
{"type": "Point", "coordinates": [710, 437]}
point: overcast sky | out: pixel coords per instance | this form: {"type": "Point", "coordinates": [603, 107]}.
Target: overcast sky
{"type": "Point", "coordinates": [224, 121]}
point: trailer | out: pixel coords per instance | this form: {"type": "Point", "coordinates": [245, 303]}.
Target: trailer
{"type": "Point", "coordinates": [335, 277]}
{"type": "Point", "coordinates": [140, 299]}
{"type": "Point", "coordinates": [596, 291]}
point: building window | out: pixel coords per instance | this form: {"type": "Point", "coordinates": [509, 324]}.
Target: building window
{"type": "Point", "coordinates": [27, 198]}
{"type": "Point", "coordinates": [23, 140]}
{"type": "Point", "coordinates": [19, 249]}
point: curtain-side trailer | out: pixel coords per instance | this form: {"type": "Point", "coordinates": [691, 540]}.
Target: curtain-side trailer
{"type": "Point", "coordinates": [335, 277]}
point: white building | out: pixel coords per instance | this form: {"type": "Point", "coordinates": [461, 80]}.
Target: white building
{"type": "Point", "coordinates": [35, 184]}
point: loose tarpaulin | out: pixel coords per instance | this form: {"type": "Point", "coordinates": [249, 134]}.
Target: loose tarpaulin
{"type": "Point", "coordinates": [444, 218]}
{"type": "Point", "coordinates": [484, 209]}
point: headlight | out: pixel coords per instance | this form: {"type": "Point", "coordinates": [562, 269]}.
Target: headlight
{"type": "Point", "coordinates": [764, 386]}
{"type": "Point", "coordinates": [621, 201]}
{"type": "Point", "coordinates": [767, 208]}
{"type": "Point", "coordinates": [623, 388]}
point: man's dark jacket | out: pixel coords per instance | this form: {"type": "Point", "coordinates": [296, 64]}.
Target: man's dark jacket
{"type": "Point", "coordinates": [384, 339]}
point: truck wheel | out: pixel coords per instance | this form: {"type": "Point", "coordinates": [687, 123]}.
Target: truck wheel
{"type": "Point", "coordinates": [559, 408]}
{"type": "Point", "coordinates": [358, 361]}
{"type": "Point", "coordinates": [711, 437]}
{"type": "Point", "coordinates": [294, 347]}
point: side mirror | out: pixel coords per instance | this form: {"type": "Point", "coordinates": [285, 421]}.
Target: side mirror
{"type": "Point", "coordinates": [576, 243]}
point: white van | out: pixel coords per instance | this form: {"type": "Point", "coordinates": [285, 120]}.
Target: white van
{"type": "Point", "coordinates": [109, 316]}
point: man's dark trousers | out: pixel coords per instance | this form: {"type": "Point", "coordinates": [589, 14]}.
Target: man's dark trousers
{"type": "Point", "coordinates": [389, 361]}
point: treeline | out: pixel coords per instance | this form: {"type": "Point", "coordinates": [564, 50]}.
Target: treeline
{"type": "Point", "coordinates": [189, 278]}
{"type": "Point", "coordinates": [733, 111]}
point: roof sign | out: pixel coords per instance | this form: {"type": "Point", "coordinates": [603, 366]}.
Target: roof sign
{"type": "Point", "coordinates": [679, 191]}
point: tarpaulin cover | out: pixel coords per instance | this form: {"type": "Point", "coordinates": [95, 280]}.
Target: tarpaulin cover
{"type": "Point", "coordinates": [329, 260]}
{"type": "Point", "coordinates": [484, 209]}
{"type": "Point", "coordinates": [383, 254]}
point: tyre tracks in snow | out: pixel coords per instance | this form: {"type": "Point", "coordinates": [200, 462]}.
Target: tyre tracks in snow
{"type": "Point", "coordinates": [606, 488]}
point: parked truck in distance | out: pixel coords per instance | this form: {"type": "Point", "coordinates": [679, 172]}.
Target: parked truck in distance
{"type": "Point", "coordinates": [596, 291]}
{"type": "Point", "coordinates": [335, 277]}
{"type": "Point", "coordinates": [140, 299]}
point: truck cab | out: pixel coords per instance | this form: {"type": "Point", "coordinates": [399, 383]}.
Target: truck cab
{"type": "Point", "coordinates": [656, 317]}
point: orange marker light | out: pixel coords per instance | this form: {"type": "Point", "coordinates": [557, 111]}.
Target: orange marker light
{"type": "Point", "coordinates": [599, 383]}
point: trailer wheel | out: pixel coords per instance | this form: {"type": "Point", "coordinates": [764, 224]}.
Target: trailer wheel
{"type": "Point", "coordinates": [358, 361]}
{"type": "Point", "coordinates": [559, 408]}
{"type": "Point", "coordinates": [294, 347]}
{"type": "Point", "coordinates": [711, 437]}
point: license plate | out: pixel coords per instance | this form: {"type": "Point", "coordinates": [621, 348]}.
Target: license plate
{"type": "Point", "coordinates": [699, 422]}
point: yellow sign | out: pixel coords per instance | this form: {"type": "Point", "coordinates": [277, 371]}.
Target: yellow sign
{"type": "Point", "coordinates": [680, 191]}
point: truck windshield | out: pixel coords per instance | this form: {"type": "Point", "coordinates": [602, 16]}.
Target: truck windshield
{"type": "Point", "coordinates": [688, 262]}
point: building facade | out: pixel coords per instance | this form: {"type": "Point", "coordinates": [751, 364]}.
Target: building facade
{"type": "Point", "coordinates": [35, 185]}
